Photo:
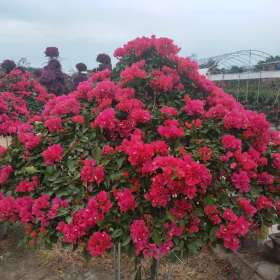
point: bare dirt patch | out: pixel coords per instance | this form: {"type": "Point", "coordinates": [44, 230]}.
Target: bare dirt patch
{"type": "Point", "coordinates": [20, 262]}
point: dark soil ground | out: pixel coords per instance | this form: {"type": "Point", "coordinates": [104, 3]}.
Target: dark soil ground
{"type": "Point", "coordinates": [20, 262]}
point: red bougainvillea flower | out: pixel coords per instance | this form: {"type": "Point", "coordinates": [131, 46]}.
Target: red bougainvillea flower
{"type": "Point", "coordinates": [169, 111]}
{"type": "Point", "coordinates": [85, 218]}
{"type": "Point", "coordinates": [28, 186]}
{"type": "Point", "coordinates": [241, 181]}
{"type": "Point", "coordinates": [229, 215]}
{"type": "Point", "coordinates": [135, 71]}
{"type": "Point", "coordinates": [263, 202]}
{"type": "Point", "coordinates": [138, 152]}
{"type": "Point", "coordinates": [276, 160]}
{"type": "Point", "coordinates": [247, 207]}
{"type": "Point", "coordinates": [171, 129]}
{"type": "Point", "coordinates": [194, 107]}
{"type": "Point", "coordinates": [125, 200]}
{"type": "Point", "coordinates": [232, 231]}
{"type": "Point", "coordinates": [205, 153]}
{"type": "Point", "coordinates": [7, 207]}
{"type": "Point", "coordinates": [53, 124]}
{"type": "Point", "coordinates": [21, 98]}
{"type": "Point", "coordinates": [91, 172]}
{"type": "Point", "coordinates": [101, 201]}
{"type": "Point", "coordinates": [230, 142]}
{"type": "Point", "coordinates": [138, 46]}
{"type": "Point", "coordinates": [106, 119]}
{"type": "Point", "coordinates": [78, 119]}
{"type": "Point", "coordinates": [165, 80]}
{"type": "Point", "coordinates": [107, 149]}
{"type": "Point", "coordinates": [104, 90]}
{"type": "Point", "coordinates": [140, 234]}
{"type": "Point", "coordinates": [3, 151]}
{"type": "Point", "coordinates": [53, 154]}
{"type": "Point", "coordinates": [29, 140]}
{"type": "Point", "coordinates": [212, 213]}
{"type": "Point", "coordinates": [62, 105]}
{"type": "Point", "coordinates": [181, 208]}
{"type": "Point", "coordinates": [98, 243]}
{"type": "Point", "coordinates": [5, 173]}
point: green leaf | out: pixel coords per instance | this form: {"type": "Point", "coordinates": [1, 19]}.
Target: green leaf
{"type": "Point", "coordinates": [156, 236]}
{"type": "Point", "coordinates": [212, 234]}
{"type": "Point", "coordinates": [71, 164]}
{"type": "Point", "coordinates": [62, 212]}
{"type": "Point", "coordinates": [30, 170]}
{"type": "Point", "coordinates": [170, 216]}
{"type": "Point", "coordinates": [68, 219]}
{"type": "Point", "coordinates": [97, 154]}
{"type": "Point", "coordinates": [209, 200]}
{"type": "Point", "coordinates": [117, 233]}
{"type": "Point", "coordinates": [126, 241]}
{"type": "Point", "coordinates": [120, 162]}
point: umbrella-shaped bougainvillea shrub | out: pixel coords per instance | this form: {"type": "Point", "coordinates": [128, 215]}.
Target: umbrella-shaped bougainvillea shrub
{"type": "Point", "coordinates": [150, 154]}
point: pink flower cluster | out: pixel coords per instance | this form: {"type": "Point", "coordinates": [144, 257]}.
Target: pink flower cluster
{"type": "Point", "coordinates": [276, 160]}
{"type": "Point", "coordinates": [247, 207]}
{"type": "Point", "coordinates": [106, 119]}
{"type": "Point", "coordinates": [18, 94]}
{"type": "Point", "coordinates": [125, 199]}
{"type": "Point", "coordinates": [169, 111]}
{"type": "Point", "coordinates": [30, 211]}
{"type": "Point", "coordinates": [138, 152]}
{"type": "Point", "coordinates": [165, 80]}
{"type": "Point", "coordinates": [176, 176]}
{"type": "Point", "coordinates": [29, 140]}
{"type": "Point", "coordinates": [53, 124]}
{"type": "Point", "coordinates": [138, 46]}
{"type": "Point", "coordinates": [140, 235]}
{"type": "Point", "coordinates": [62, 105]}
{"type": "Point", "coordinates": [86, 218]}
{"type": "Point", "coordinates": [5, 173]}
{"type": "Point", "coordinates": [234, 228]}
{"type": "Point", "coordinates": [241, 181]}
{"type": "Point", "coordinates": [194, 107]}
{"type": "Point", "coordinates": [53, 154]}
{"type": "Point", "coordinates": [171, 129]}
{"type": "Point", "coordinates": [28, 186]}
{"type": "Point", "coordinates": [92, 173]}
{"type": "Point", "coordinates": [181, 208]}
{"type": "Point", "coordinates": [135, 71]}
{"type": "Point", "coordinates": [213, 214]}
{"type": "Point", "coordinates": [205, 153]}
{"type": "Point", "coordinates": [98, 243]}
{"type": "Point", "coordinates": [230, 142]}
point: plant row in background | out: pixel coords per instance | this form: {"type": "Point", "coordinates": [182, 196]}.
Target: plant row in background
{"type": "Point", "coordinates": [21, 98]}
{"type": "Point", "coordinates": [25, 90]}
{"type": "Point", "coordinates": [151, 155]}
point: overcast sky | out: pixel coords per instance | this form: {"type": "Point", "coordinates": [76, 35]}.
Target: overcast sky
{"type": "Point", "coordinates": [83, 28]}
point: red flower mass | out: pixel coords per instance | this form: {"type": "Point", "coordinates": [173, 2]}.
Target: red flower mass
{"type": "Point", "coordinates": [98, 243]}
{"type": "Point", "coordinates": [52, 154]}
{"type": "Point", "coordinates": [150, 154]}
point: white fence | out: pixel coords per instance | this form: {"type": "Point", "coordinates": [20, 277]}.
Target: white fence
{"type": "Point", "coordinates": [244, 76]}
